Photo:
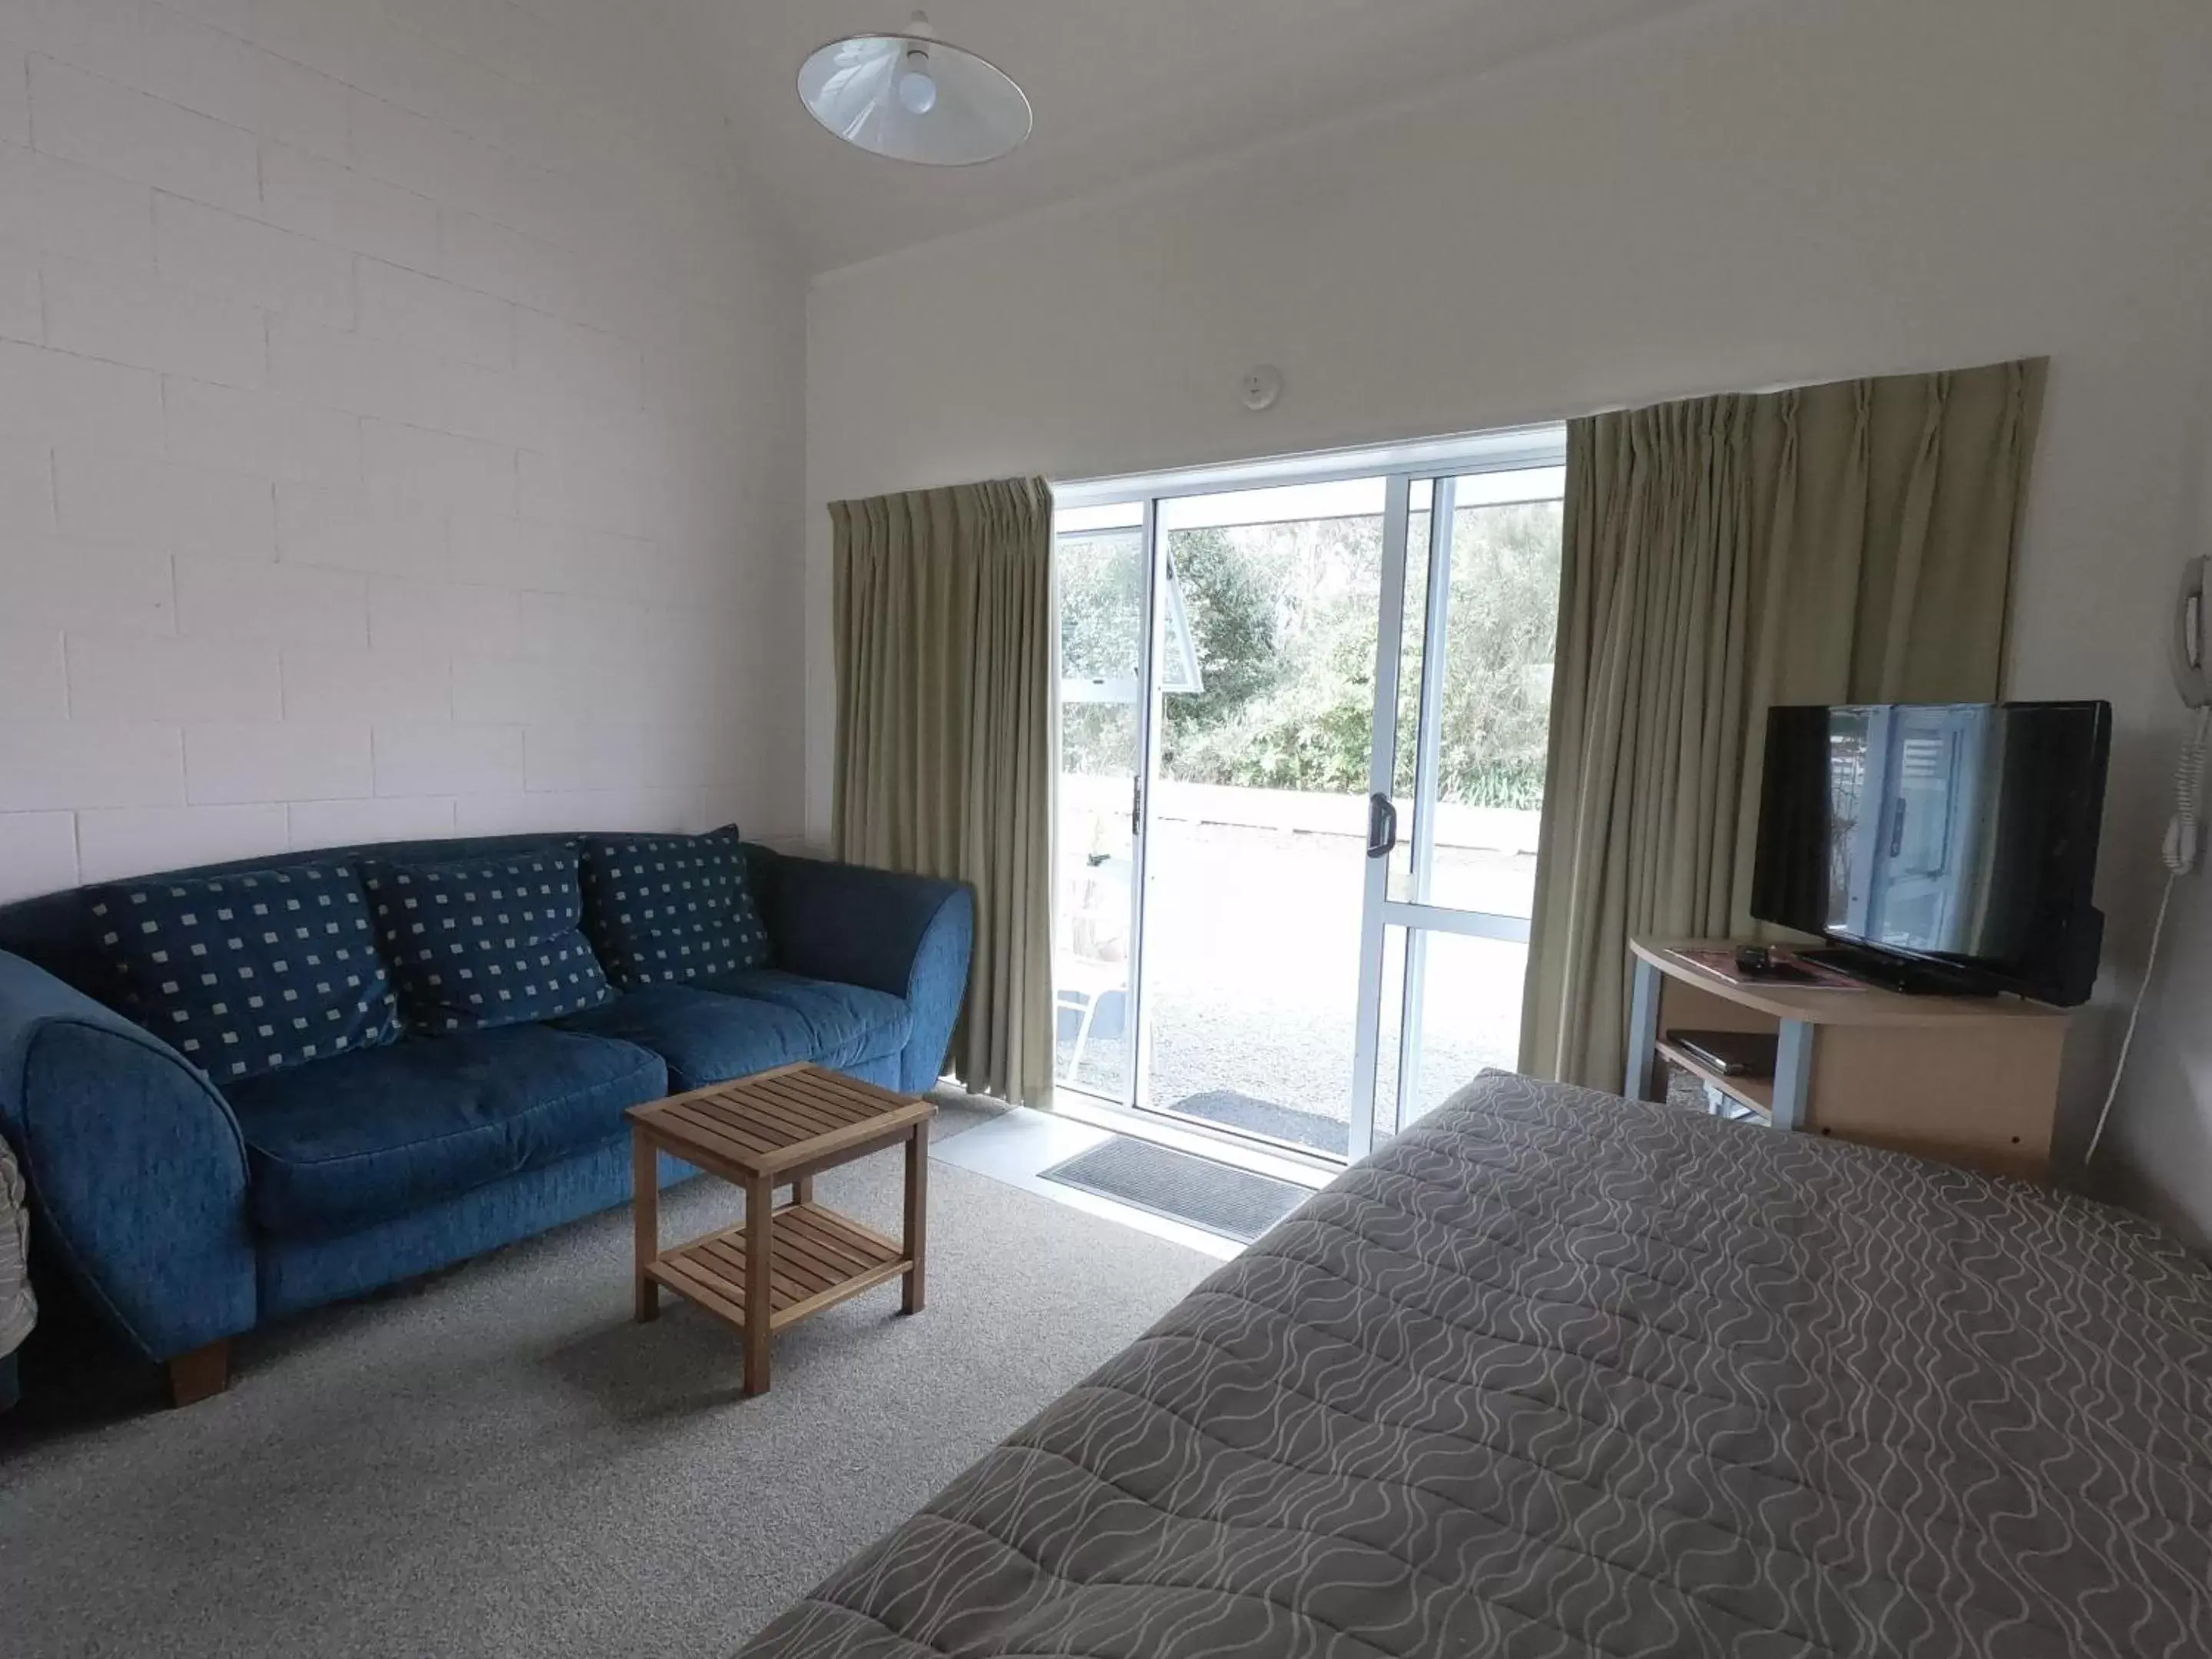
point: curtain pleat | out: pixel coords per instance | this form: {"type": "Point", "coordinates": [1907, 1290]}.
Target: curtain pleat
{"type": "Point", "coordinates": [1834, 543]}
{"type": "Point", "coordinates": [943, 765]}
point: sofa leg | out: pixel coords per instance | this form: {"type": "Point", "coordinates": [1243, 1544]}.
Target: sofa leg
{"type": "Point", "coordinates": [193, 1376]}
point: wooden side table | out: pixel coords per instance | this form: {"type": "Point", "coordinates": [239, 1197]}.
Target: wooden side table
{"type": "Point", "coordinates": [778, 1264]}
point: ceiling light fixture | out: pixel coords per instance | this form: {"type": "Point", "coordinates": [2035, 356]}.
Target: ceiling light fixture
{"type": "Point", "coordinates": [914, 98]}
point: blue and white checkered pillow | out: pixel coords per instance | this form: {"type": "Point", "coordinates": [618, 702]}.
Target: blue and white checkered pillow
{"type": "Point", "coordinates": [662, 909]}
{"type": "Point", "coordinates": [493, 940]}
{"type": "Point", "coordinates": [248, 973]}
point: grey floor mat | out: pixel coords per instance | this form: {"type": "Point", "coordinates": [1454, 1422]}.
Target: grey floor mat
{"type": "Point", "coordinates": [1196, 1191]}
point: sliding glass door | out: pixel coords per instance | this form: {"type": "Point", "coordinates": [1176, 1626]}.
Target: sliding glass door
{"type": "Point", "coordinates": [1256, 833]}
{"type": "Point", "coordinates": [1301, 749]}
{"type": "Point", "coordinates": [1447, 911]}
{"type": "Point", "coordinates": [1102, 573]}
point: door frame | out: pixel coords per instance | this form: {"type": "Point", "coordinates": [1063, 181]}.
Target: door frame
{"type": "Point", "coordinates": [1439, 460]}
{"type": "Point", "coordinates": [1381, 785]}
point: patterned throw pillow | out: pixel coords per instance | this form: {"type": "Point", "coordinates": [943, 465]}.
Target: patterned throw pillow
{"type": "Point", "coordinates": [248, 973]}
{"type": "Point", "coordinates": [666, 909]}
{"type": "Point", "coordinates": [485, 941]}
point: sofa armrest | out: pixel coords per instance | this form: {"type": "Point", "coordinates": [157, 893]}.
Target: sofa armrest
{"type": "Point", "coordinates": [908, 935]}
{"type": "Point", "coordinates": [135, 1166]}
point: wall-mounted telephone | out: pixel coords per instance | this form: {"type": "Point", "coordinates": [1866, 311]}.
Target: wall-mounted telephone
{"type": "Point", "coordinates": [2185, 657]}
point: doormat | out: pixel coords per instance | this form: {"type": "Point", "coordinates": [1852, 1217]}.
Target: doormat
{"type": "Point", "coordinates": [1196, 1191]}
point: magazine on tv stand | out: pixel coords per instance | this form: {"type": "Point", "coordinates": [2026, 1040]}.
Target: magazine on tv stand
{"type": "Point", "coordinates": [1796, 974]}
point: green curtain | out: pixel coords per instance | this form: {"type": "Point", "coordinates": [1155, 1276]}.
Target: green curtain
{"type": "Point", "coordinates": [1831, 544]}
{"type": "Point", "coordinates": [945, 700]}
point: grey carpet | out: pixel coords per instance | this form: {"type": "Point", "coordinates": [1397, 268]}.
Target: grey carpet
{"type": "Point", "coordinates": [502, 1463]}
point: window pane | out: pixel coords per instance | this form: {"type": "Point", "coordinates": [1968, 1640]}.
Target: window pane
{"type": "Point", "coordinates": [1082, 521]}
{"type": "Point", "coordinates": [1466, 1014]}
{"type": "Point", "coordinates": [1102, 605]}
{"type": "Point", "coordinates": [1501, 608]}
{"type": "Point", "coordinates": [1259, 816]}
{"type": "Point", "coordinates": [1277, 504]}
{"type": "Point", "coordinates": [1101, 577]}
{"type": "Point", "coordinates": [1497, 710]}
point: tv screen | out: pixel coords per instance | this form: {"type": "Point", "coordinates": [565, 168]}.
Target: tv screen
{"type": "Point", "coordinates": [1958, 835]}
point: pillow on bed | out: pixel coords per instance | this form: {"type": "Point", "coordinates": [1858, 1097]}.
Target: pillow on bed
{"type": "Point", "coordinates": [662, 909]}
{"type": "Point", "coordinates": [485, 941]}
{"type": "Point", "coordinates": [247, 973]}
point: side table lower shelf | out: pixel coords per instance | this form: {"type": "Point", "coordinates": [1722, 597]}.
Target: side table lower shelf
{"type": "Point", "coordinates": [817, 1259]}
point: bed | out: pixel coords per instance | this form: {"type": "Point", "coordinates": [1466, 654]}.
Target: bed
{"type": "Point", "coordinates": [1556, 1373]}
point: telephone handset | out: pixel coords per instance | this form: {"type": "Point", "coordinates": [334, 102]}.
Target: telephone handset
{"type": "Point", "coordinates": [2186, 646]}
{"type": "Point", "coordinates": [2185, 657]}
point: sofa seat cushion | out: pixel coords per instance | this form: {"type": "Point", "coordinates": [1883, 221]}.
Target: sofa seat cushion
{"type": "Point", "coordinates": [704, 1037]}
{"type": "Point", "coordinates": [845, 1024]}
{"type": "Point", "coordinates": [339, 1146]}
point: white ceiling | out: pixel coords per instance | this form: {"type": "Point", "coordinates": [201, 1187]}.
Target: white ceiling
{"type": "Point", "coordinates": [1120, 87]}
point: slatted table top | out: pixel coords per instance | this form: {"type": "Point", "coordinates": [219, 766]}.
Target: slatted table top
{"type": "Point", "coordinates": [776, 1120]}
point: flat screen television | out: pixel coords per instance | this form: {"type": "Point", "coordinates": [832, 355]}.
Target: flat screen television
{"type": "Point", "coordinates": [1939, 846]}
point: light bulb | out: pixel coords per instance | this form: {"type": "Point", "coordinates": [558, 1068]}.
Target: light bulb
{"type": "Point", "coordinates": [917, 88]}
{"type": "Point", "coordinates": [917, 92]}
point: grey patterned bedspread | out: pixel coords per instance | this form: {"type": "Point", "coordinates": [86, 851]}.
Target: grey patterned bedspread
{"type": "Point", "coordinates": [1559, 1374]}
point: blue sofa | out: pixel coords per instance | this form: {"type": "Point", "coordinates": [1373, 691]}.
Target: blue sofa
{"type": "Point", "coordinates": [188, 1212]}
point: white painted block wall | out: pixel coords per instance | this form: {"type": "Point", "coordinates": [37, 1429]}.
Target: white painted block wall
{"type": "Point", "coordinates": [400, 434]}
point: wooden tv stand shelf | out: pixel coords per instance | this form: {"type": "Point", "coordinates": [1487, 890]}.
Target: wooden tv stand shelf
{"type": "Point", "coordinates": [1969, 1080]}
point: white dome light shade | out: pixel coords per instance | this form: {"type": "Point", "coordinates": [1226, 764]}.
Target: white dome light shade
{"type": "Point", "coordinates": [915, 99]}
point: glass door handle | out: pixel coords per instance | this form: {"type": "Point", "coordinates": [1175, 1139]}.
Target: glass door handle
{"type": "Point", "coordinates": [1381, 826]}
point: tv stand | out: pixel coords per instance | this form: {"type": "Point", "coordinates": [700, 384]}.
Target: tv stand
{"type": "Point", "coordinates": [1907, 978]}
{"type": "Point", "coordinates": [1970, 1080]}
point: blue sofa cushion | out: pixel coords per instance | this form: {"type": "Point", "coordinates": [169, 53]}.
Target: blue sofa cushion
{"type": "Point", "coordinates": [250, 973]}
{"type": "Point", "coordinates": [482, 942]}
{"type": "Point", "coordinates": [704, 1037]}
{"type": "Point", "coordinates": [845, 1024]}
{"type": "Point", "coordinates": [334, 1147]}
{"type": "Point", "coordinates": [666, 910]}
